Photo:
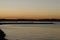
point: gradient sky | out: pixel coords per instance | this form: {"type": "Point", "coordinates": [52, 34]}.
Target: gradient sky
{"type": "Point", "coordinates": [30, 9]}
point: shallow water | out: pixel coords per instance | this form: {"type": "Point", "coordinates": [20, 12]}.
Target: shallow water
{"type": "Point", "coordinates": [32, 31]}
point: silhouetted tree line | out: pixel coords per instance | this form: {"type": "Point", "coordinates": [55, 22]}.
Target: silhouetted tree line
{"type": "Point", "coordinates": [29, 19]}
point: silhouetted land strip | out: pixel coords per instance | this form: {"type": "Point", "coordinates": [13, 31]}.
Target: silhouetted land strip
{"type": "Point", "coordinates": [30, 20]}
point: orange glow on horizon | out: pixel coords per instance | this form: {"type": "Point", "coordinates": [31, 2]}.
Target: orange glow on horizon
{"type": "Point", "coordinates": [30, 9]}
{"type": "Point", "coordinates": [29, 15]}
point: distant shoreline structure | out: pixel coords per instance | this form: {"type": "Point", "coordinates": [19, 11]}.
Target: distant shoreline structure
{"type": "Point", "coordinates": [28, 21]}
{"type": "Point", "coordinates": [25, 22]}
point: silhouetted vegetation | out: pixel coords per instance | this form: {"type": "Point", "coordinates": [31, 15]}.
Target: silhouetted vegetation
{"type": "Point", "coordinates": [28, 19]}
{"type": "Point", "coordinates": [2, 35]}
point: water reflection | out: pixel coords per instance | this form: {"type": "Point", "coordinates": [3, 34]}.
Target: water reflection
{"type": "Point", "coordinates": [32, 32]}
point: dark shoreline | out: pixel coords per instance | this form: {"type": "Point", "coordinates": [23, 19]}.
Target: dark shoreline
{"type": "Point", "coordinates": [26, 23]}
{"type": "Point", "coordinates": [57, 20]}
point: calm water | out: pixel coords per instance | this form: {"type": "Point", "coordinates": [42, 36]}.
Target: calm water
{"type": "Point", "coordinates": [32, 31]}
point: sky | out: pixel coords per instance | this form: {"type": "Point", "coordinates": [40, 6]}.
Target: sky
{"type": "Point", "coordinates": [34, 9]}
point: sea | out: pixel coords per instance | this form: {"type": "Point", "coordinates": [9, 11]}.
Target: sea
{"type": "Point", "coordinates": [32, 31]}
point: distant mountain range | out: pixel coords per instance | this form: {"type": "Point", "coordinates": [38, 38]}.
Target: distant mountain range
{"type": "Point", "coordinates": [29, 19]}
